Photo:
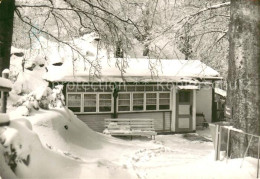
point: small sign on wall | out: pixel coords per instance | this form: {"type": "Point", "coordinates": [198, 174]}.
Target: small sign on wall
{"type": "Point", "coordinates": [228, 111]}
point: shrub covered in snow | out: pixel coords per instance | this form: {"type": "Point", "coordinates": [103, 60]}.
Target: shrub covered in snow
{"type": "Point", "coordinates": [43, 97]}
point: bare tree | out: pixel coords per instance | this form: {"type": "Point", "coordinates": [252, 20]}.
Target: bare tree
{"type": "Point", "coordinates": [64, 20]}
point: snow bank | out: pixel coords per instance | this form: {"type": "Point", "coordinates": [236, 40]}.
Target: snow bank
{"type": "Point", "coordinates": [64, 131]}
{"type": "Point", "coordinates": [54, 154]}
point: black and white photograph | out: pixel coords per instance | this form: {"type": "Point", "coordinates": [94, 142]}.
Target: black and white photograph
{"type": "Point", "coordinates": [129, 89]}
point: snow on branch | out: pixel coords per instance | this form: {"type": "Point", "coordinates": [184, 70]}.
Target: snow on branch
{"type": "Point", "coordinates": [226, 4]}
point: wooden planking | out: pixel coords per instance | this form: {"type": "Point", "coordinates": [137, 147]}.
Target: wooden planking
{"type": "Point", "coordinates": [135, 129]}
{"type": "Point", "coordinates": [132, 119]}
{"type": "Point", "coordinates": [144, 124]}
{"type": "Point", "coordinates": [156, 116]}
{"type": "Point", "coordinates": [167, 121]}
{"type": "Point", "coordinates": [95, 122]}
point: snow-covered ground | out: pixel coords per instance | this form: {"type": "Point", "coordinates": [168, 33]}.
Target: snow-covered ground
{"type": "Point", "coordinates": [56, 144]}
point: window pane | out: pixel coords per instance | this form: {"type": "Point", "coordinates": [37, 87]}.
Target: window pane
{"type": "Point", "coordinates": [122, 88]}
{"type": "Point", "coordinates": [184, 96]}
{"type": "Point", "coordinates": [104, 96]}
{"type": "Point", "coordinates": [139, 88]}
{"type": "Point", "coordinates": [164, 101]}
{"type": "Point", "coordinates": [158, 88]}
{"type": "Point", "coordinates": [90, 102]}
{"type": "Point", "coordinates": [151, 101]}
{"type": "Point", "coordinates": [164, 95]}
{"type": "Point", "coordinates": [138, 101]}
{"type": "Point", "coordinates": [105, 109]}
{"type": "Point", "coordinates": [105, 102]}
{"type": "Point", "coordinates": [162, 107]}
{"type": "Point", "coordinates": [148, 88]}
{"type": "Point", "coordinates": [90, 109]}
{"type": "Point", "coordinates": [123, 108]}
{"type": "Point", "coordinates": [124, 102]}
{"type": "Point", "coordinates": [138, 108]}
{"type": "Point", "coordinates": [130, 88]}
{"type": "Point", "coordinates": [124, 96]}
{"type": "Point", "coordinates": [150, 107]}
{"type": "Point", "coordinates": [74, 100]}
{"type": "Point", "coordinates": [89, 96]}
{"type": "Point", "coordinates": [150, 95]}
{"type": "Point", "coordinates": [138, 95]}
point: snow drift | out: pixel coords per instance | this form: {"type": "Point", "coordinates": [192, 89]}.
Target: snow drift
{"type": "Point", "coordinates": [64, 148]}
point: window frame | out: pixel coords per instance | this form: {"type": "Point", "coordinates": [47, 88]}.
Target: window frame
{"type": "Point", "coordinates": [131, 101]}
{"type": "Point", "coordinates": [144, 104]}
{"type": "Point", "coordinates": [117, 101]}
{"type": "Point", "coordinates": [164, 98]}
{"type": "Point", "coordinates": [144, 98]}
{"type": "Point", "coordinates": [67, 100]}
{"type": "Point", "coordinates": [83, 105]}
{"type": "Point", "coordinates": [156, 98]}
{"type": "Point", "coordinates": [97, 102]}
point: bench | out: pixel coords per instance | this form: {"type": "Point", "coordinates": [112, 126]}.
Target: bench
{"type": "Point", "coordinates": [130, 127]}
{"type": "Point", "coordinates": [201, 120]}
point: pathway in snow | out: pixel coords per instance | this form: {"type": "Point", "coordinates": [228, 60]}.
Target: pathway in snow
{"type": "Point", "coordinates": [176, 156]}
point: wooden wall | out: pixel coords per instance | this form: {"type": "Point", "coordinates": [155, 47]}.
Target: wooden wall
{"type": "Point", "coordinates": [162, 120]}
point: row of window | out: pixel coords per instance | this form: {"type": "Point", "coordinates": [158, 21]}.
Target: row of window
{"type": "Point", "coordinates": [123, 88]}
{"type": "Point", "coordinates": [103, 102]}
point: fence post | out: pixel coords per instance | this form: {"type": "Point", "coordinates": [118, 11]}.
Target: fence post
{"type": "Point", "coordinates": [219, 141]}
{"type": "Point", "coordinates": [228, 138]}
{"type": "Point", "coordinates": [216, 142]}
{"type": "Point", "coordinates": [246, 151]}
{"type": "Point", "coordinates": [5, 74]}
{"type": "Point", "coordinates": [258, 157]}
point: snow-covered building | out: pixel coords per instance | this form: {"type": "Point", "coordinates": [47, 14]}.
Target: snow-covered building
{"type": "Point", "coordinates": [171, 92]}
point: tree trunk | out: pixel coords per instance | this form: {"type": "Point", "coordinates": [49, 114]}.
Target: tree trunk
{"type": "Point", "coordinates": [244, 71]}
{"type": "Point", "coordinates": [6, 31]}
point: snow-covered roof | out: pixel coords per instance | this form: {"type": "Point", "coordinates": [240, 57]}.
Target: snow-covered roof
{"type": "Point", "coordinates": [137, 70]}
{"type": "Point", "coordinates": [188, 87]}
{"type": "Point", "coordinates": [76, 69]}
{"type": "Point", "coordinates": [5, 83]}
{"type": "Point", "coordinates": [221, 92]}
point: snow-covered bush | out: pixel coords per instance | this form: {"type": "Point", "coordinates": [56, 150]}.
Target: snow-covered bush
{"type": "Point", "coordinates": [43, 97]}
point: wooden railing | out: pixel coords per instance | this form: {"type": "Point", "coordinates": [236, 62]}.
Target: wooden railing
{"type": "Point", "coordinates": [221, 135]}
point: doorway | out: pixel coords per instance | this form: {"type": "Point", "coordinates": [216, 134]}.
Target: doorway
{"type": "Point", "coordinates": [184, 100]}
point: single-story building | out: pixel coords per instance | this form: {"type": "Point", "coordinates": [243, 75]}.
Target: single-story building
{"type": "Point", "coordinates": [171, 92]}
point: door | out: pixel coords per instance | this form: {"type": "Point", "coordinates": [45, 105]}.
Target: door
{"type": "Point", "coordinates": [184, 111]}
